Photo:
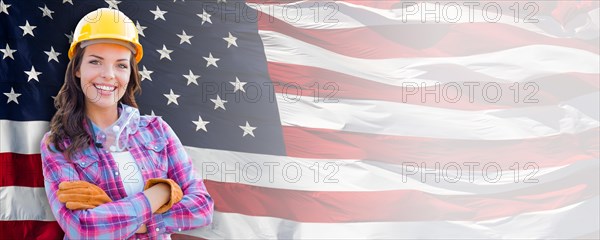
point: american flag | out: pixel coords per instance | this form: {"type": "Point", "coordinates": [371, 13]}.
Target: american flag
{"type": "Point", "coordinates": [340, 119]}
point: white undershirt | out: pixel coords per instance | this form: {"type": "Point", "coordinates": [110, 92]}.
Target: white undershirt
{"type": "Point", "coordinates": [131, 176]}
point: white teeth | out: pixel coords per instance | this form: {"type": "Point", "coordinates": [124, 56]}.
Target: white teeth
{"type": "Point", "coordinates": [105, 88]}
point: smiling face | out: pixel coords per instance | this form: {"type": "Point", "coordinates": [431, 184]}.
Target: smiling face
{"type": "Point", "coordinates": [104, 74]}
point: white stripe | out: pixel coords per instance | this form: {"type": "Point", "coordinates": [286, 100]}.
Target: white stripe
{"type": "Point", "coordinates": [594, 16]}
{"type": "Point", "coordinates": [389, 118]}
{"type": "Point", "coordinates": [566, 222]}
{"type": "Point", "coordinates": [22, 136]}
{"type": "Point", "coordinates": [563, 223]}
{"type": "Point", "coordinates": [269, 171]}
{"type": "Point", "coordinates": [379, 117]}
{"type": "Point", "coordinates": [351, 174]}
{"type": "Point", "coordinates": [301, 174]}
{"type": "Point", "coordinates": [511, 65]}
{"type": "Point", "coordinates": [24, 203]}
{"type": "Point", "coordinates": [323, 15]}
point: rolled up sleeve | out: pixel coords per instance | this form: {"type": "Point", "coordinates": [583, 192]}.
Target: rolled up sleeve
{"type": "Point", "coordinates": [114, 220]}
{"type": "Point", "coordinates": [196, 207]}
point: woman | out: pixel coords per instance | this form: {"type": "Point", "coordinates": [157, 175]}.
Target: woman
{"type": "Point", "coordinates": [109, 172]}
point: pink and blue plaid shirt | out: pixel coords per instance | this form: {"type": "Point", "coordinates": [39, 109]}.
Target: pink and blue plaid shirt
{"type": "Point", "coordinates": [159, 154]}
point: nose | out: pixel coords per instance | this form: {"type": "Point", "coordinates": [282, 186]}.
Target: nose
{"type": "Point", "coordinates": [108, 72]}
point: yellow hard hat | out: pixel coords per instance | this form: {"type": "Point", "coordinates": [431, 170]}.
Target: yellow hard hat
{"type": "Point", "coordinates": [109, 24]}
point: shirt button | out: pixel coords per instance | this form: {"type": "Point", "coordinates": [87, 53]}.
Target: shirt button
{"type": "Point", "coordinates": [179, 229]}
{"type": "Point", "coordinates": [117, 173]}
{"type": "Point", "coordinates": [116, 128]}
{"type": "Point", "coordinates": [155, 148]}
{"type": "Point", "coordinates": [157, 229]}
{"type": "Point", "coordinates": [81, 164]}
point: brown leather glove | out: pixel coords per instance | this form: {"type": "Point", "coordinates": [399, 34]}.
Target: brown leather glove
{"type": "Point", "coordinates": [176, 193]}
{"type": "Point", "coordinates": [80, 195]}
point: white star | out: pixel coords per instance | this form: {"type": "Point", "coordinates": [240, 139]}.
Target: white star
{"type": "Point", "coordinates": [158, 14]}
{"type": "Point", "coordinates": [12, 96]}
{"type": "Point", "coordinates": [70, 37]}
{"type": "Point", "coordinates": [172, 97]}
{"type": "Point", "coordinates": [238, 85]}
{"type": "Point", "coordinates": [210, 60]}
{"type": "Point", "coordinates": [52, 55]}
{"type": "Point", "coordinates": [69, 1]}
{"type": "Point", "coordinates": [248, 129]}
{"type": "Point", "coordinates": [32, 74]}
{"type": "Point", "coordinates": [164, 52]}
{"type": "Point", "coordinates": [4, 7]}
{"type": "Point", "coordinates": [145, 73]}
{"type": "Point", "coordinates": [231, 40]}
{"type": "Point", "coordinates": [46, 12]}
{"type": "Point", "coordinates": [27, 29]}
{"type": "Point", "coordinates": [205, 17]}
{"type": "Point", "coordinates": [191, 78]}
{"type": "Point", "coordinates": [7, 52]}
{"type": "Point", "coordinates": [184, 38]}
{"type": "Point", "coordinates": [200, 124]}
{"type": "Point", "coordinates": [140, 28]}
{"type": "Point", "coordinates": [219, 103]}
{"type": "Point", "coordinates": [114, 4]}
{"type": "Point", "coordinates": [152, 114]}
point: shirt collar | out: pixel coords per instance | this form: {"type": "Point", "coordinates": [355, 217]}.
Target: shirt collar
{"type": "Point", "coordinates": [126, 124]}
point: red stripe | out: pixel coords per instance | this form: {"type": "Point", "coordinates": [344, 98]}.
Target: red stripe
{"type": "Point", "coordinates": [404, 205]}
{"type": "Point", "coordinates": [593, 235]}
{"type": "Point", "coordinates": [271, 1]}
{"type": "Point", "coordinates": [301, 80]}
{"type": "Point", "coordinates": [379, 4]}
{"type": "Point", "coordinates": [563, 10]}
{"type": "Point", "coordinates": [567, 10]}
{"type": "Point", "coordinates": [21, 170]}
{"type": "Point", "coordinates": [26, 170]}
{"type": "Point", "coordinates": [30, 230]}
{"type": "Point", "coordinates": [400, 205]}
{"type": "Point", "coordinates": [398, 4]}
{"type": "Point", "coordinates": [549, 7]}
{"type": "Point", "coordinates": [424, 40]}
{"type": "Point", "coordinates": [176, 236]}
{"type": "Point", "coordinates": [373, 3]}
{"type": "Point", "coordinates": [550, 151]}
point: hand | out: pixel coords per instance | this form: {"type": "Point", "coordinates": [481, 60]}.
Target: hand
{"type": "Point", "coordinates": [142, 229]}
{"type": "Point", "coordinates": [79, 195]}
{"type": "Point", "coordinates": [175, 194]}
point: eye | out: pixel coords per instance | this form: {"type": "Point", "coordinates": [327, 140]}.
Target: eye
{"type": "Point", "coordinates": [123, 66]}
{"type": "Point", "coordinates": [95, 62]}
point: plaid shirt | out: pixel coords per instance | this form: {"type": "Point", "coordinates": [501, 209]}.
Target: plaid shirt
{"type": "Point", "coordinates": [159, 154]}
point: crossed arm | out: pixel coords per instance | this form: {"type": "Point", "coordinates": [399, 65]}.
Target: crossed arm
{"type": "Point", "coordinates": [80, 195]}
{"type": "Point", "coordinates": [109, 219]}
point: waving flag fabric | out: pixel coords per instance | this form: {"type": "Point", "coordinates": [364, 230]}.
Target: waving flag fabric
{"type": "Point", "coordinates": [340, 119]}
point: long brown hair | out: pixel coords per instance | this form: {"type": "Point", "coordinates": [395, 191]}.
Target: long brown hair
{"type": "Point", "coordinates": [67, 123]}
